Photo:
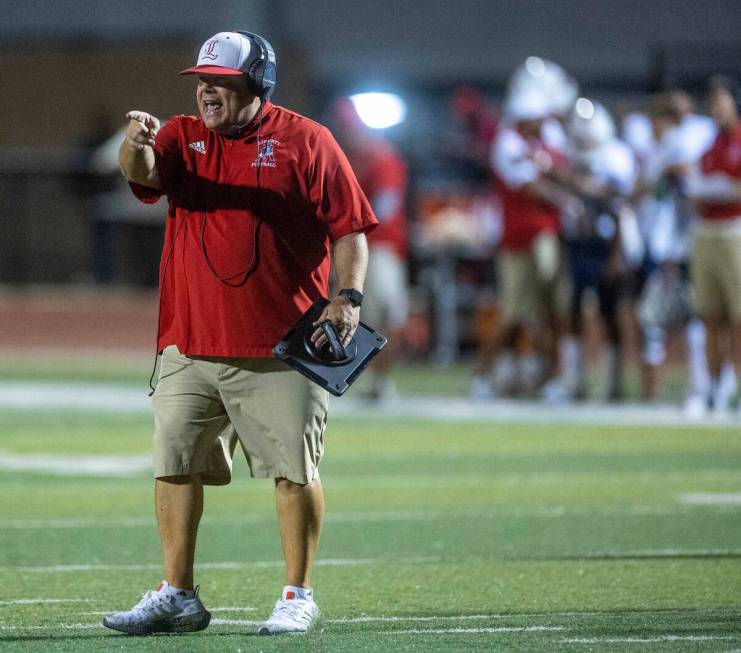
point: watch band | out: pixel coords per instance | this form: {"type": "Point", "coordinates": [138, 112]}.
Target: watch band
{"type": "Point", "coordinates": [355, 296]}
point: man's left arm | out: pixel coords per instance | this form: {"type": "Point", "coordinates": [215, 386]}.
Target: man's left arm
{"type": "Point", "coordinates": [350, 258]}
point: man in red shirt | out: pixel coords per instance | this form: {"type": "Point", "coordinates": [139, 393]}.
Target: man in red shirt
{"type": "Point", "coordinates": [382, 175]}
{"type": "Point", "coordinates": [258, 198]}
{"type": "Point", "coordinates": [529, 257]}
{"type": "Point", "coordinates": [715, 266]}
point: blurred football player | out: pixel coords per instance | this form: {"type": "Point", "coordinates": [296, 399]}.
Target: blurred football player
{"type": "Point", "coordinates": [603, 174]}
{"type": "Point", "coordinates": [716, 257]}
{"type": "Point", "coordinates": [382, 174]}
{"type": "Point", "coordinates": [681, 138]}
{"type": "Point", "coordinates": [529, 258]}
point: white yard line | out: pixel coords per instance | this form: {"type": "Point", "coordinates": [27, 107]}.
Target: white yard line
{"type": "Point", "coordinates": [353, 562]}
{"type": "Point", "coordinates": [55, 627]}
{"type": "Point", "coordinates": [111, 398]}
{"type": "Point", "coordinates": [68, 465]}
{"type": "Point", "coordinates": [551, 512]}
{"type": "Point", "coordinates": [259, 564]}
{"type": "Point", "coordinates": [646, 640]}
{"type": "Point", "coordinates": [237, 622]}
{"type": "Point", "coordinates": [38, 601]}
{"type": "Point", "coordinates": [381, 619]}
{"type": "Point", "coordinates": [711, 498]}
{"type": "Point", "coordinates": [106, 398]}
{"type": "Point", "coordinates": [502, 629]}
{"type": "Point", "coordinates": [660, 553]}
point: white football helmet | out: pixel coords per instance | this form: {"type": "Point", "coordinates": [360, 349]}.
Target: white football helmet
{"type": "Point", "coordinates": [590, 125]}
{"type": "Point", "coordinates": [526, 104]}
{"type": "Point", "coordinates": [548, 77]}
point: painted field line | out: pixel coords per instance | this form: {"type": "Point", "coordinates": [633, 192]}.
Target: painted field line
{"type": "Point", "coordinates": [212, 610]}
{"type": "Point", "coordinates": [382, 619]}
{"type": "Point", "coordinates": [258, 564]}
{"type": "Point", "coordinates": [548, 512]}
{"type": "Point", "coordinates": [78, 396]}
{"type": "Point", "coordinates": [55, 627]}
{"type": "Point", "coordinates": [112, 398]}
{"type": "Point", "coordinates": [237, 622]}
{"type": "Point", "coordinates": [75, 523]}
{"type": "Point", "coordinates": [67, 465]}
{"type": "Point", "coordinates": [37, 601]}
{"type": "Point", "coordinates": [647, 640]}
{"type": "Point", "coordinates": [362, 620]}
{"type": "Point", "coordinates": [657, 553]}
{"type": "Point", "coordinates": [452, 631]}
{"type": "Point", "coordinates": [711, 498]}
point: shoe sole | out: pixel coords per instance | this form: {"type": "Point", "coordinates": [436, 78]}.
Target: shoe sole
{"type": "Point", "coordinates": [265, 630]}
{"type": "Point", "coordinates": [187, 624]}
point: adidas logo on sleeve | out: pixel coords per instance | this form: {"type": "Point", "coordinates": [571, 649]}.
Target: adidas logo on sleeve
{"type": "Point", "coordinates": [198, 146]}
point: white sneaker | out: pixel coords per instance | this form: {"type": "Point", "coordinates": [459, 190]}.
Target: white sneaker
{"type": "Point", "coordinates": [163, 610]}
{"type": "Point", "coordinates": [295, 612]}
{"type": "Point", "coordinates": [554, 392]}
{"type": "Point", "coordinates": [695, 407]}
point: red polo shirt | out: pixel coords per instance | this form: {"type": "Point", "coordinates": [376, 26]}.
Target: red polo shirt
{"type": "Point", "coordinates": [383, 177]}
{"type": "Point", "coordinates": [723, 157]}
{"type": "Point", "coordinates": [260, 218]}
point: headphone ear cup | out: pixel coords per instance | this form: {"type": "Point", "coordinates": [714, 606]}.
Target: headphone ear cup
{"type": "Point", "coordinates": [255, 75]}
{"type": "Point", "coordinates": [268, 79]}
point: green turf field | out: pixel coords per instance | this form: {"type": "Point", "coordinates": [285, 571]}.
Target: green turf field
{"type": "Point", "coordinates": [439, 537]}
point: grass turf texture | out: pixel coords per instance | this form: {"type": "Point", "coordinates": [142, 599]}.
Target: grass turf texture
{"type": "Point", "coordinates": [462, 537]}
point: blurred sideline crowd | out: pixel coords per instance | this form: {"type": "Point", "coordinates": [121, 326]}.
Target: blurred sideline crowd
{"type": "Point", "coordinates": [645, 215]}
{"type": "Point", "coordinates": [640, 217]}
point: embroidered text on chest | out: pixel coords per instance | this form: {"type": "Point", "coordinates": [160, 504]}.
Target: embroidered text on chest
{"type": "Point", "coordinates": [266, 154]}
{"type": "Point", "coordinates": [198, 146]}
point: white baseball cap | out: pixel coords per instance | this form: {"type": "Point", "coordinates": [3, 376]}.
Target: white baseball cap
{"type": "Point", "coordinates": [225, 53]}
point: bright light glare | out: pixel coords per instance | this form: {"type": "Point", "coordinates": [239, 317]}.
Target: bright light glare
{"type": "Point", "coordinates": [584, 108]}
{"type": "Point", "coordinates": [535, 66]}
{"type": "Point", "coordinates": [379, 110]}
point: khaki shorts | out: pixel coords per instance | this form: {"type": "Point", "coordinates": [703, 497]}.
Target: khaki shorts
{"type": "Point", "coordinates": [715, 270]}
{"type": "Point", "coordinates": [203, 406]}
{"type": "Point", "coordinates": [533, 283]}
{"type": "Point", "coordinates": [385, 304]}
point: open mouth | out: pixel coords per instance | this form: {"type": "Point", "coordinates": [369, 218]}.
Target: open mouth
{"type": "Point", "coordinates": [211, 107]}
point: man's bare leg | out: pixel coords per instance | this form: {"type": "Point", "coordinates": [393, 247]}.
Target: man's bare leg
{"type": "Point", "coordinates": [179, 506]}
{"type": "Point", "coordinates": [715, 351]}
{"type": "Point", "coordinates": [300, 512]}
{"type": "Point", "coordinates": [736, 347]}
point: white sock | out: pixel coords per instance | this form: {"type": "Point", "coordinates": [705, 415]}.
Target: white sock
{"type": "Point", "coordinates": [614, 369]}
{"type": "Point", "coordinates": [699, 377]}
{"type": "Point", "coordinates": [572, 363]}
{"type": "Point", "coordinates": [291, 592]}
{"type": "Point", "coordinates": [166, 588]}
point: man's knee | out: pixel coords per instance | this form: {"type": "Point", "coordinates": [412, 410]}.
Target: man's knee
{"type": "Point", "coordinates": [180, 479]}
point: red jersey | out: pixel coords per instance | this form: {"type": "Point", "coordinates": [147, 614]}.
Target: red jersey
{"type": "Point", "coordinates": [523, 216]}
{"type": "Point", "coordinates": [383, 177]}
{"type": "Point", "coordinates": [248, 231]}
{"type": "Point", "coordinates": [723, 157]}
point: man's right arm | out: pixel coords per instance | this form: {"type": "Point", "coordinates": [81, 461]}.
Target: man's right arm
{"type": "Point", "coordinates": [136, 154]}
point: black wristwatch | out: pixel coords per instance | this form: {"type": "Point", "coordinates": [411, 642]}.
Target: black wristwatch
{"type": "Point", "coordinates": [355, 296]}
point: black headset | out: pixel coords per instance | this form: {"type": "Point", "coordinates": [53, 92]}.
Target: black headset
{"type": "Point", "coordinates": [261, 68]}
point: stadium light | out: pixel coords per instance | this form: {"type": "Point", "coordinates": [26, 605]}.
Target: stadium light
{"type": "Point", "coordinates": [584, 108]}
{"type": "Point", "coordinates": [379, 110]}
